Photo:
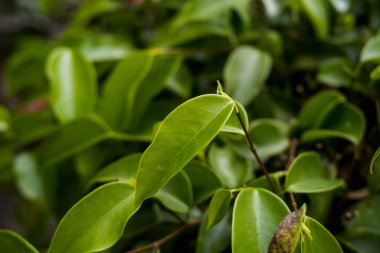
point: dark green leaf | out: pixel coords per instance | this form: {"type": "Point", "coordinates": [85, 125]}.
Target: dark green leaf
{"type": "Point", "coordinates": [5, 118]}
{"type": "Point", "coordinates": [318, 13]}
{"type": "Point", "coordinates": [183, 133]}
{"type": "Point", "coordinates": [374, 159]}
{"type": "Point", "coordinates": [12, 242]}
{"type": "Point", "coordinates": [335, 72]}
{"type": "Point", "coordinates": [218, 207]}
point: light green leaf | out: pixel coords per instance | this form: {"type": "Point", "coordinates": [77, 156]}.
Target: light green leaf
{"type": "Point", "coordinates": [316, 107]}
{"type": "Point", "coordinates": [124, 168]}
{"type": "Point", "coordinates": [262, 182]}
{"type": "Point", "coordinates": [370, 52]}
{"type": "Point", "coordinates": [5, 118]}
{"type": "Point", "coordinates": [73, 84]}
{"type": "Point", "coordinates": [375, 73]}
{"type": "Point", "coordinates": [307, 175]}
{"type": "Point", "coordinates": [215, 239]}
{"type": "Point", "coordinates": [203, 180]}
{"type": "Point", "coordinates": [288, 233]}
{"type": "Point", "coordinates": [233, 124]}
{"type": "Point", "coordinates": [343, 121]}
{"type": "Point", "coordinates": [322, 240]}
{"type": "Point", "coordinates": [318, 13]}
{"type": "Point", "coordinates": [335, 72]}
{"type": "Point", "coordinates": [28, 179]}
{"type": "Point", "coordinates": [231, 168]}
{"type": "Point", "coordinates": [257, 214]}
{"type": "Point", "coordinates": [374, 159]}
{"type": "Point", "coordinates": [12, 242]}
{"type": "Point", "coordinates": [97, 221]}
{"type": "Point", "coordinates": [245, 73]}
{"type": "Point", "coordinates": [177, 194]}
{"type": "Point", "coordinates": [218, 207]}
{"type": "Point", "coordinates": [71, 139]}
{"type": "Point", "coordinates": [182, 134]}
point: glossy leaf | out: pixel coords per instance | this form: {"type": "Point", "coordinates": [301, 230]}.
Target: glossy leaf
{"type": "Point", "coordinates": [12, 242]}
{"type": "Point", "coordinates": [232, 169]}
{"type": "Point", "coordinates": [192, 125]}
{"type": "Point", "coordinates": [317, 107]}
{"type": "Point", "coordinates": [218, 207]}
{"type": "Point", "coordinates": [374, 159]}
{"type": "Point", "coordinates": [370, 51]}
{"type": "Point", "coordinates": [97, 221]}
{"type": "Point", "coordinates": [203, 180]}
{"type": "Point", "coordinates": [307, 175]}
{"type": "Point", "coordinates": [245, 73]}
{"type": "Point", "coordinates": [322, 240]}
{"type": "Point", "coordinates": [215, 239]}
{"type": "Point", "coordinates": [73, 84]}
{"type": "Point", "coordinates": [71, 139]}
{"type": "Point", "coordinates": [257, 214]}
{"type": "Point", "coordinates": [318, 13]}
{"type": "Point", "coordinates": [288, 232]}
{"type": "Point", "coordinates": [343, 121]}
{"type": "Point", "coordinates": [335, 72]}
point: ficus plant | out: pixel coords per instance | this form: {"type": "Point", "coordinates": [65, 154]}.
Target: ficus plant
{"type": "Point", "coordinates": [116, 135]}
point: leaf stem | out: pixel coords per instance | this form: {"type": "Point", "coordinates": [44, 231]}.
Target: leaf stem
{"type": "Point", "coordinates": [292, 155]}
{"type": "Point", "coordinates": [154, 246]}
{"type": "Point", "coordinates": [252, 147]}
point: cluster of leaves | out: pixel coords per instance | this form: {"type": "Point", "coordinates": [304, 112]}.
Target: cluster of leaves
{"type": "Point", "coordinates": [108, 140]}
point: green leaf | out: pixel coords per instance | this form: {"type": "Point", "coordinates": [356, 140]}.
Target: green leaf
{"type": "Point", "coordinates": [218, 207]}
{"type": "Point", "coordinates": [5, 118]}
{"type": "Point", "coordinates": [257, 214]}
{"type": "Point", "coordinates": [322, 240]}
{"type": "Point", "coordinates": [335, 72]}
{"type": "Point", "coordinates": [245, 73]}
{"type": "Point", "coordinates": [231, 168]}
{"type": "Point", "coordinates": [73, 84]}
{"type": "Point", "coordinates": [370, 52]}
{"type": "Point", "coordinates": [97, 221]}
{"type": "Point", "coordinates": [233, 124]}
{"type": "Point", "coordinates": [343, 121]}
{"type": "Point", "coordinates": [318, 13]}
{"type": "Point", "coordinates": [12, 242]}
{"type": "Point", "coordinates": [181, 83]}
{"type": "Point", "coordinates": [28, 180]}
{"type": "Point", "coordinates": [307, 175]}
{"type": "Point", "coordinates": [124, 168]}
{"type": "Point", "coordinates": [133, 84]}
{"type": "Point", "coordinates": [270, 137]}
{"type": "Point", "coordinates": [374, 159]}
{"type": "Point", "coordinates": [182, 134]}
{"type": "Point", "coordinates": [375, 73]}
{"type": "Point", "coordinates": [215, 239]}
{"type": "Point", "coordinates": [316, 107]}
{"type": "Point", "coordinates": [203, 180]}
{"type": "Point", "coordinates": [71, 139]}
{"type": "Point", "coordinates": [288, 233]}
{"type": "Point", "coordinates": [262, 182]}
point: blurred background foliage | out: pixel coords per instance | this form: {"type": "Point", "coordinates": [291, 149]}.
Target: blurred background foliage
{"type": "Point", "coordinates": [271, 55]}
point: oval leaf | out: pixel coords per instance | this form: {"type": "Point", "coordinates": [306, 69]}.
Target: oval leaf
{"type": "Point", "coordinates": [374, 159]}
{"type": "Point", "coordinates": [317, 11]}
{"type": "Point", "coordinates": [73, 84]}
{"type": "Point", "coordinates": [371, 50]}
{"type": "Point", "coordinates": [218, 207]}
{"type": "Point", "coordinates": [335, 72]}
{"type": "Point", "coordinates": [12, 242]}
{"type": "Point", "coordinates": [182, 134]}
{"type": "Point", "coordinates": [245, 72]}
{"type": "Point", "coordinates": [257, 214]}
{"type": "Point", "coordinates": [97, 221]}
{"type": "Point", "coordinates": [307, 175]}
{"type": "Point", "coordinates": [288, 232]}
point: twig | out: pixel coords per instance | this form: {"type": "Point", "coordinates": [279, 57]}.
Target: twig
{"type": "Point", "coordinates": [360, 194]}
{"type": "Point", "coordinates": [254, 151]}
{"type": "Point", "coordinates": [292, 155]}
{"type": "Point", "coordinates": [154, 246]}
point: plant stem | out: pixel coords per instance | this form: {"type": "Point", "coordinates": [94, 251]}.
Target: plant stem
{"type": "Point", "coordinates": [154, 246]}
{"type": "Point", "coordinates": [292, 155]}
{"type": "Point", "coordinates": [252, 147]}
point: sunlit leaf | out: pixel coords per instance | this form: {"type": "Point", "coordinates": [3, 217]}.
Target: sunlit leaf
{"type": "Point", "coordinates": [307, 175]}
{"type": "Point", "coordinates": [370, 51]}
{"type": "Point", "coordinates": [245, 73]}
{"type": "Point", "coordinates": [192, 125]}
{"type": "Point", "coordinates": [97, 221]}
{"type": "Point", "coordinates": [12, 242]}
{"type": "Point", "coordinates": [257, 214]}
{"type": "Point", "coordinates": [73, 84]}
